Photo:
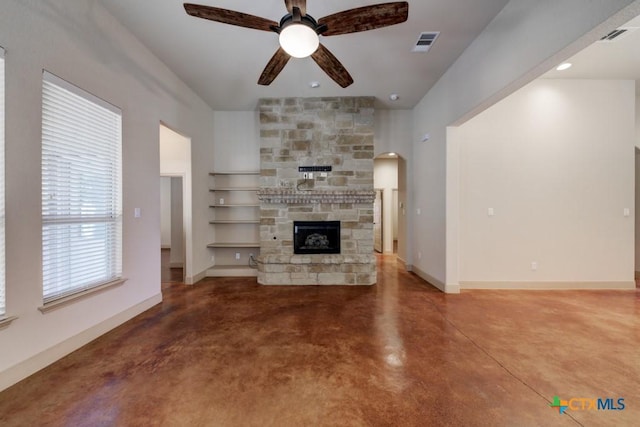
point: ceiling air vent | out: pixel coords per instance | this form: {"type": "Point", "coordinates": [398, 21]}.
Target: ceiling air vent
{"type": "Point", "coordinates": [425, 41]}
{"type": "Point", "coordinates": [618, 34]}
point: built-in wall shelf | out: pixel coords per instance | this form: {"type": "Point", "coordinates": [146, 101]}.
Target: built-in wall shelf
{"type": "Point", "coordinates": [236, 205]}
{"type": "Point", "coordinates": [235, 173]}
{"type": "Point", "coordinates": [234, 189]}
{"type": "Point", "coordinates": [234, 245]}
{"type": "Point", "coordinates": [235, 223]}
{"type": "Point", "coordinates": [231, 271]}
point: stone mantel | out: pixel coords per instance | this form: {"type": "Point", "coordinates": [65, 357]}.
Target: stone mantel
{"type": "Point", "coordinates": [290, 196]}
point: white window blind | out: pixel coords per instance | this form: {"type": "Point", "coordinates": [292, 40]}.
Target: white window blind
{"type": "Point", "coordinates": [81, 190]}
{"type": "Point", "coordinates": [2, 259]}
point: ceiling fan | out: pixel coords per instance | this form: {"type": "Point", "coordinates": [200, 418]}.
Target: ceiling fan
{"type": "Point", "coordinates": [299, 32]}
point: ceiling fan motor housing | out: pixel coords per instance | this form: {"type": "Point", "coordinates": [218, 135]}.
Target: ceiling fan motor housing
{"type": "Point", "coordinates": [296, 18]}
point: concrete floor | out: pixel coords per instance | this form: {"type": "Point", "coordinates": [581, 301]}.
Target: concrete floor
{"type": "Point", "coordinates": [227, 352]}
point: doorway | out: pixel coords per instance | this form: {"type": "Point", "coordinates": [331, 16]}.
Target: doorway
{"type": "Point", "coordinates": [175, 205]}
{"type": "Point", "coordinates": [386, 220]}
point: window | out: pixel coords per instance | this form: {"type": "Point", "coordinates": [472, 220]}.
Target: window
{"type": "Point", "coordinates": [81, 190]}
{"type": "Point", "coordinates": [2, 272]}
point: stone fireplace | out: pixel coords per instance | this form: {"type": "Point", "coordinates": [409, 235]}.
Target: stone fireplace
{"type": "Point", "coordinates": [316, 132]}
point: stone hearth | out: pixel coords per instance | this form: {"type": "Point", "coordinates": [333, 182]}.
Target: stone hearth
{"type": "Point", "coordinates": [336, 132]}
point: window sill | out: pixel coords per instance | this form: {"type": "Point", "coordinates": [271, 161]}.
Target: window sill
{"type": "Point", "coordinates": [54, 305]}
{"type": "Point", "coordinates": [6, 321]}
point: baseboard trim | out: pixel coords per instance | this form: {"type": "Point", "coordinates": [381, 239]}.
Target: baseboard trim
{"type": "Point", "coordinates": [195, 278]}
{"type": "Point", "coordinates": [402, 262]}
{"type": "Point", "coordinates": [433, 281]}
{"type": "Point", "coordinates": [452, 288]}
{"type": "Point", "coordinates": [549, 286]}
{"type": "Point", "coordinates": [45, 358]}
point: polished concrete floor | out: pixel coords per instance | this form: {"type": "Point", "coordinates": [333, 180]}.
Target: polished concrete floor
{"type": "Point", "coordinates": [227, 352]}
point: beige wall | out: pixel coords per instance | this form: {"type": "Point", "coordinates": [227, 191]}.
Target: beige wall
{"type": "Point", "coordinates": [637, 190]}
{"type": "Point", "coordinates": [165, 212]}
{"type": "Point", "coordinates": [80, 42]}
{"type": "Point", "coordinates": [236, 141]}
{"type": "Point", "coordinates": [637, 120]}
{"type": "Point", "coordinates": [637, 206]}
{"type": "Point", "coordinates": [525, 40]}
{"type": "Point", "coordinates": [555, 162]}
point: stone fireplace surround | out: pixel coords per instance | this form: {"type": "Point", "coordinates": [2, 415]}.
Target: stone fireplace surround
{"type": "Point", "coordinates": [336, 132]}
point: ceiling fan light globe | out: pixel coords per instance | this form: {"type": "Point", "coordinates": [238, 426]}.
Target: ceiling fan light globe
{"type": "Point", "coordinates": [299, 40]}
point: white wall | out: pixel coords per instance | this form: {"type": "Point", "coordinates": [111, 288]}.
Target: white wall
{"type": "Point", "coordinates": [393, 132]}
{"type": "Point", "coordinates": [637, 191]}
{"type": "Point", "coordinates": [165, 212]}
{"type": "Point", "coordinates": [555, 161]}
{"type": "Point", "coordinates": [236, 141]}
{"type": "Point", "coordinates": [385, 178]}
{"type": "Point", "coordinates": [404, 235]}
{"type": "Point", "coordinates": [637, 209]}
{"type": "Point", "coordinates": [80, 42]}
{"type": "Point", "coordinates": [526, 39]}
{"type": "Point", "coordinates": [637, 120]}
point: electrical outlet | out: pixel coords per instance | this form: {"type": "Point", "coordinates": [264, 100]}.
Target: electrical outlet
{"type": "Point", "coordinates": [305, 175]}
{"type": "Point", "coordinates": [237, 255]}
{"type": "Point", "coordinates": [534, 265]}
{"type": "Point", "coordinates": [251, 255]}
{"type": "Point", "coordinates": [213, 258]}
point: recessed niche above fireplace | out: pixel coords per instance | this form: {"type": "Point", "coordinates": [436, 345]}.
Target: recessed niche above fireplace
{"type": "Point", "coordinates": [316, 237]}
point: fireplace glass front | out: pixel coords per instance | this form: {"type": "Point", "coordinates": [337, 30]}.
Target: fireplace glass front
{"type": "Point", "coordinates": [316, 237]}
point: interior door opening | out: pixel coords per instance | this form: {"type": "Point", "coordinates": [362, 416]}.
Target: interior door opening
{"type": "Point", "coordinates": [175, 204]}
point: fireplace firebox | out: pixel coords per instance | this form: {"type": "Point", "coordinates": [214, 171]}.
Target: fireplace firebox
{"type": "Point", "coordinates": [316, 237]}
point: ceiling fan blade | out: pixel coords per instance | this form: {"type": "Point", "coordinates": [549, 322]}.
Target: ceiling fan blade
{"type": "Point", "coordinates": [365, 18]}
{"type": "Point", "coordinates": [230, 17]}
{"type": "Point", "coordinates": [273, 68]}
{"type": "Point", "coordinates": [330, 64]}
{"type": "Point", "coordinates": [300, 4]}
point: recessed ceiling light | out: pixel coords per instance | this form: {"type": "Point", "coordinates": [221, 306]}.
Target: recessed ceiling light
{"type": "Point", "coordinates": [394, 97]}
{"type": "Point", "coordinates": [314, 85]}
{"type": "Point", "coordinates": [564, 66]}
{"type": "Point", "coordinates": [392, 154]}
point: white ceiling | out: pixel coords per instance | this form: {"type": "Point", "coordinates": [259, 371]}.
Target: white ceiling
{"type": "Point", "coordinates": [618, 59]}
{"type": "Point", "coordinates": [222, 63]}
